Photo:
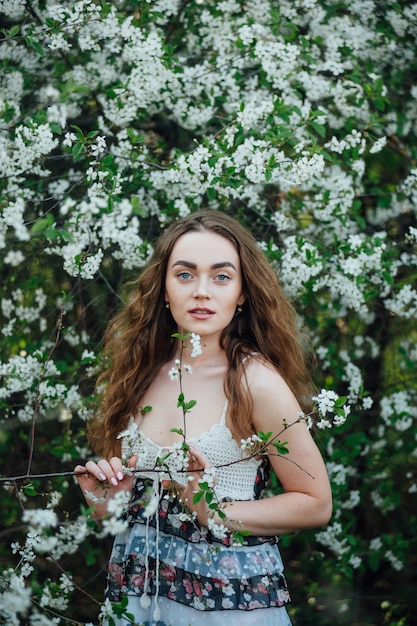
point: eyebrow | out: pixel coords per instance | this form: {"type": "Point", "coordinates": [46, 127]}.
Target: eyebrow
{"type": "Point", "coordinates": [215, 266]}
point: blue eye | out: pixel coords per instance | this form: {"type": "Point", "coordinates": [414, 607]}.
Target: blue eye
{"type": "Point", "coordinates": [184, 275]}
{"type": "Point", "coordinates": [222, 277]}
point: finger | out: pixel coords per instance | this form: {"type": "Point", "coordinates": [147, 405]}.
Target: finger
{"type": "Point", "coordinates": [112, 470]}
{"type": "Point", "coordinates": [197, 452]}
{"type": "Point", "coordinates": [80, 473]}
{"type": "Point", "coordinates": [176, 489]}
{"type": "Point", "coordinates": [117, 467]}
{"type": "Point", "coordinates": [128, 470]}
{"type": "Point", "coordinates": [132, 461]}
{"type": "Point", "coordinates": [198, 458]}
{"type": "Point", "coordinates": [102, 471]}
{"type": "Point", "coordinates": [131, 466]}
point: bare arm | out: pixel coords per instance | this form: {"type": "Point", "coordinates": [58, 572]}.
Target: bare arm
{"type": "Point", "coordinates": [306, 501]}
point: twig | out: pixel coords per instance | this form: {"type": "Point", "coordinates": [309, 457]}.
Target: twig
{"type": "Point", "coordinates": [37, 398]}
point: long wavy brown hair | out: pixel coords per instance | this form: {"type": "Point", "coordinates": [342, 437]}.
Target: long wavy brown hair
{"type": "Point", "coordinates": [138, 340]}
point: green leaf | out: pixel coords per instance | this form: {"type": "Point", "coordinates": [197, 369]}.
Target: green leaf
{"type": "Point", "coordinates": [211, 193]}
{"type": "Point", "coordinates": [134, 137]}
{"type": "Point", "coordinates": [340, 401]}
{"type": "Point", "coordinates": [178, 431]}
{"type": "Point", "coordinates": [198, 497]}
{"type": "Point", "coordinates": [38, 48]}
{"type": "Point", "coordinates": [56, 128]}
{"type": "Point", "coordinates": [281, 448]}
{"type": "Point", "coordinates": [13, 31]}
{"type": "Point", "coordinates": [108, 161]}
{"type": "Point", "coordinates": [34, 44]}
{"type": "Point", "coordinates": [213, 160]}
{"type": "Point", "coordinates": [264, 436]}
{"type": "Point", "coordinates": [54, 234]}
{"type": "Point", "coordinates": [78, 151]}
{"type": "Point", "coordinates": [29, 490]}
{"type": "Point", "coordinates": [374, 560]}
{"type": "Point", "coordinates": [42, 224]}
{"type": "Point", "coordinates": [180, 336]}
{"type": "Point", "coordinates": [320, 130]}
{"type": "Point", "coordinates": [78, 130]}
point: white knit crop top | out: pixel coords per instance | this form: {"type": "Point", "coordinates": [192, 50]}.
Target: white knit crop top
{"type": "Point", "coordinates": [235, 481]}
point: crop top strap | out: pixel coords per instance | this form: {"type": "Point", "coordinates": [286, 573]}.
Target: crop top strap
{"type": "Point", "coordinates": [222, 420]}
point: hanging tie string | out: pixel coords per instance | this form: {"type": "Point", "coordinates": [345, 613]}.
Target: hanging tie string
{"type": "Point", "coordinates": [152, 509]}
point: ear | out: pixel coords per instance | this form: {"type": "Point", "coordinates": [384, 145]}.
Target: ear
{"type": "Point", "coordinates": [242, 299]}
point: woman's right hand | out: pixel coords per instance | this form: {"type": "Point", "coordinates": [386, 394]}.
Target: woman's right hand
{"type": "Point", "coordinates": [100, 481]}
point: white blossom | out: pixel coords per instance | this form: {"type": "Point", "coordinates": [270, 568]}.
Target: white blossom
{"type": "Point", "coordinates": [196, 344]}
{"type": "Point", "coordinates": [394, 560]}
{"type": "Point", "coordinates": [118, 503]}
{"type": "Point", "coordinates": [174, 373]}
{"type": "Point", "coordinates": [250, 443]}
{"type": "Point", "coordinates": [378, 145]}
{"type": "Point", "coordinates": [40, 518]}
{"type": "Point", "coordinates": [220, 531]}
{"type": "Point", "coordinates": [209, 476]}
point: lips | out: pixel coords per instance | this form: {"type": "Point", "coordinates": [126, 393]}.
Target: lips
{"type": "Point", "coordinates": [201, 312]}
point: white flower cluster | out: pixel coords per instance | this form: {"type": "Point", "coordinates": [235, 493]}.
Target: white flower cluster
{"type": "Point", "coordinates": [23, 309]}
{"type": "Point", "coordinates": [39, 519]}
{"type": "Point", "coordinates": [175, 371]}
{"type": "Point", "coordinates": [404, 302]}
{"type": "Point", "coordinates": [333, 538]}
{"type": "Point", "coordinates": [70, 536]}
{"type": "Point", "coordinates": [220, 531]}
{"type": "Point", "coordinates": [325, 402]}
{"type": "Point", "coordinates": [35, 378]}
{"type": "Point", "coordinates": [196, 344]}
{"type": "Point", "coordinates": [251, 444]}
{"type": "Point", "coordinates": [176, 460]}
{"type": "Point", "coordinates": [399, 410]}
{"type": "Point", "coordinates": [117, 505]}
{"type": "Point", "coordinates": [209, 477]}
{"type": "Point", "coordinates": [26, 151]}
{"type": "Point", "coordinates": [339, 474]}
{"type": "Point", "coordinates": [15, 597]}
{"type": "Point", "coordinates": [56, 595]}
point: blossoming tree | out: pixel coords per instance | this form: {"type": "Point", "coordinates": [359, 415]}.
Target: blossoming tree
{"type": "Point", "coordinates": [300, 118]}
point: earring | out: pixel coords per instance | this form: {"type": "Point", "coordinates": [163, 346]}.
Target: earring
{"type": "Point", "coordinates": [239, 309]}
{"type": "Point", "coordinates": [167, 305]}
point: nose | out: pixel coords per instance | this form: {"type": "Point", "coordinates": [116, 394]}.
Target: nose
{"type": "Point", "coordinates": [202, 288]}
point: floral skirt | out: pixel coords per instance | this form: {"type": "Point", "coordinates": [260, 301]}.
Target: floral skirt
{"type": "Point", "coordinates": [170, 581]}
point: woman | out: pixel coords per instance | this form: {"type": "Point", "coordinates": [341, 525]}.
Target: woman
{"type": "Point", "coordinates": [183, 554]}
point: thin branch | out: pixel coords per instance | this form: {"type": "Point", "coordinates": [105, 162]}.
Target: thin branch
{"type": "Point", "coordinates": [262, 451]}
{"type": "Point", "coordinates": [37, 398]}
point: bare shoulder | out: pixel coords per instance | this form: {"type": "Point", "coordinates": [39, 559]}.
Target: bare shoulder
{"type": "Point", "coordinates": [272, 397]}
{"type": "Point", "coordinates": [263, 377]}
